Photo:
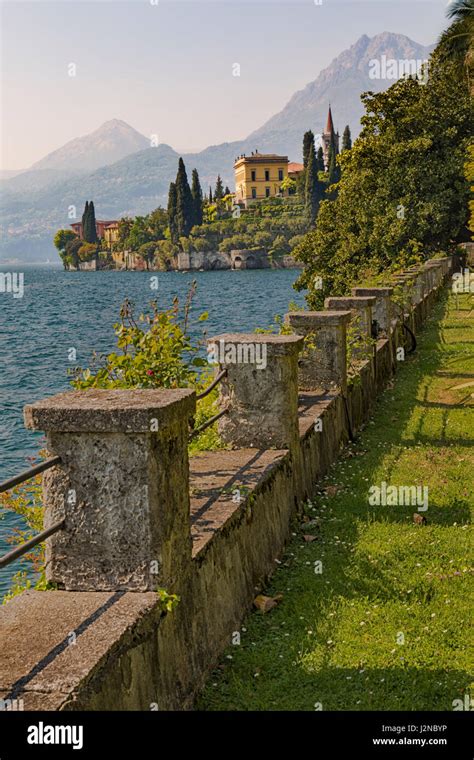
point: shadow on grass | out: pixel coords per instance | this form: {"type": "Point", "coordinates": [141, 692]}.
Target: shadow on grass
{"type": "Point", "coordinates": [281, 668]}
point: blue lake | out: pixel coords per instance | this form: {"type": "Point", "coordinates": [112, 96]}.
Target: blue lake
{"type": "Point", "coordinates": [63, 310]}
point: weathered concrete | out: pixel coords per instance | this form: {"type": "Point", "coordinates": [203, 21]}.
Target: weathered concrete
{"type": "Point", "coordinates": [361, 310]}
{"type": "Point", "coordinates": [322, 365]}
{"type": "Point", "coordinates": [382, 310]}
{"type": "Point", "coordinates": [122, 487]}
{"type": "Point", "coordinates": [260, 390]}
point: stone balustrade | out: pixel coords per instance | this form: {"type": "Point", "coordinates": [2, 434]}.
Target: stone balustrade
{"type": "Point", "coordinates": [382, 310]}
{"type": "Point", "coordinates": [322, 366]}
{"type": "Point", "coordinates": [140, 515]}
{"type": "Point", "coordinates": [361, 309]}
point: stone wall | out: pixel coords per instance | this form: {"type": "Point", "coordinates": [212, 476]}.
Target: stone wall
{"type": "Point", "coordinates": [138, 516]}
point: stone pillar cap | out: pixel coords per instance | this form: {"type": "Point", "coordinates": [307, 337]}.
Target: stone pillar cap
{"type": "Point", "coordinates": [348, 300]}
{"type": "Point", "coordinates": [277, 345]}
{"type": "Point", "coordinates": [327, 317]}
{"type": "Point", "coordinates": [367, 291]}
{"type": "Point", "coordinates": [110, 411]}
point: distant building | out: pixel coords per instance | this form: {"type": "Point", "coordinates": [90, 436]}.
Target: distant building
{"type": "Point", "coordinates": [107, 229]}
{"type": "Point", "coordinates": [111, 233]}
{"type": "Point", "coordinates": [294, 169]}
{"type": "Point", "coordinates": [259, 176]}
{"type": "Point", "coordinates": [329, 137]}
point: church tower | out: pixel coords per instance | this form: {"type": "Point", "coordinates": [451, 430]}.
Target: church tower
{"type": "Point", "coordinates": [329, 137]}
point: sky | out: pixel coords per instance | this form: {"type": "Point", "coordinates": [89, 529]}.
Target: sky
{"type": "Point", "coordinates": [167, 66]}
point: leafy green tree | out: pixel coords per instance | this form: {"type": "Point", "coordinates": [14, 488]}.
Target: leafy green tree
{"type": "Point", "coordinates": [346, 138]}
{"type": "Point", "coordinates": [124, 226]}
{"type": "Point", "coordinates": [173, 213]}
{"type": "Point", "coordinates": [402, 194]}
{"type": "Point", "coordinates": [87, 251]}
{"type": "Point", "coordinates": [62, 237]}
{"type": "Point", "coordinates": [334, 172]}
{"type": "Point", "coordinates": [196, 192]}
{"type": "Point", "coordinates": [157, 223]}
{"type": "Point", "coordinates": [72, 251]}
{"type": "Point", "coordinates": [140, 233]}
{"type": "Point", "coordinates": [227, 191]}
{"type": "Point", "coordinates": [219, 190]}
{"type": "Point", "coordinates": [147, 252]}
{"type": "Point", "coordinates": [457, 43]}
{"type": "Point", "coordinates": [184, 202]}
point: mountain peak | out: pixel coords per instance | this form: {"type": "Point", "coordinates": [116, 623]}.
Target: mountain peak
{"type": "Point", "coordinates": [110, 142]}
{"type": "Point", "coordinates": [342, 82]}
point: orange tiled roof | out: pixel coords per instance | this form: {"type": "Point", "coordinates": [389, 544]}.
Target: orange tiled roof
{"type": "Point", "coordinates": [293, 167]}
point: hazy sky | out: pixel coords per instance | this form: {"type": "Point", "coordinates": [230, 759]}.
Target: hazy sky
{"type": "Point", "coordinates": [165, 66]}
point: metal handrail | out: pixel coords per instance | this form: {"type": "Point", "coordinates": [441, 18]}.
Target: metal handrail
{"type": "Point", "coordinates": [211, 387]}
{"type": "Point", "coordinates": [7, 485]}
{"type": "Point", "coordinates": [30, 544]}
{"type": "Point", "coordinates": [207, 424]}
{"type": "Point", "coordinates": [27, 474]}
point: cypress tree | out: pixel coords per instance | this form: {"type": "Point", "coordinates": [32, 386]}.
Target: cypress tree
{"type": "Point", "coordinates": [334, 172]}
{"type": "Point", "coordinates": [172, 213]}
{"type": "Point", "coordinates": [308, 141]}
{"type": "Point", "coordinates": [311, 185]}
{"type": "Point", "coordinates": [219, 191]}
{"type": "Point", "coordinates": [320, 159]}
{"type": "Point", "coordinates": [84, 217]}
{"type": "Point", "coordinates": [210, 194]}
{"type": "Point", "coordinates": [346, 138]}
{"type": "Point", "coordinates": [184, 202]}
{"type": "Point", "coordinates": [196, 192]}
{"type": "Point", "coordinates": [226, 191]}
{"type": "Point", "coordinates": [91, 228]}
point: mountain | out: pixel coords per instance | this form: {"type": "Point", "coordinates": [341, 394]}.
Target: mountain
{"type": "Point", "coordinates": [111, 142]}
{"type": "Point", "coordinates": [139, 182]}
{"type": "Point", "coordinates": [341, 84]}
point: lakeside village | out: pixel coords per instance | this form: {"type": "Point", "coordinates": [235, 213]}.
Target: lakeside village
{"type": "Point", "coordinates": [274, 204]}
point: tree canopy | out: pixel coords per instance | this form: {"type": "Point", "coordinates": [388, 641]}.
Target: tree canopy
{"type": "Point", "coordinates": [403, 192]}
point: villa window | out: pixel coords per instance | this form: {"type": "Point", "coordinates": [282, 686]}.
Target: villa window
{"type": "Point", "coordinates": [280, 174]}
{"type": "Point", "coordinates": [254, 192]}
{"type": "Point", "coordinates": [267, 192]}
{"type": "Point", "coordinates": [267, 175]}
{"type": "Point", "coordinates": [253, 175]}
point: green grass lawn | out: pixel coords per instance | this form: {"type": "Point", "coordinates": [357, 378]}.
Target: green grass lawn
{"type": "Point", "coordinates": [386, 624]}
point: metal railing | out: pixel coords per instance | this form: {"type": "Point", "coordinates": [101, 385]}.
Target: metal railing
{"type": "Point", "coordinates": [37, 469]}
{"type": "Point", "coordinates": [217, 416]}
{"type": "Point", "coordinates": [211, 387]}
{"type": "Point", "coordinates": [7, 485]}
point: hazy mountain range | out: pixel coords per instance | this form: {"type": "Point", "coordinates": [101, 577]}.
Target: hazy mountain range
{"type": "Point", "coordinates": [117, 168]}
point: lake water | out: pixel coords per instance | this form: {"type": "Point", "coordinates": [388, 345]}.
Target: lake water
{"type": "Point", "coordinates": [63, 310]}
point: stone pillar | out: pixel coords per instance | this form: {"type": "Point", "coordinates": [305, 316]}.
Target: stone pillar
{"type": "Point", "coordinates": [361, 308]}
{"type": "Point", "coordinates": [122, 487]}
{"type": "Point", "coordinates": [323, 364]}
{"type": "Point", "coordinates": [382, 312]}
{"type": "Point", "coordinates": [260, 389]}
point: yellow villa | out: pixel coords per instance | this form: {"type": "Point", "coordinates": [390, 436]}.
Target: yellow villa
{"type": "Point", "coordinates": [259, 176]}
